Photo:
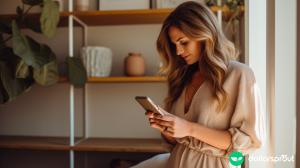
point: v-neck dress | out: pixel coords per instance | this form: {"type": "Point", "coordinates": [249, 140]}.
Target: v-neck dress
{"type": "Point", "coordinates": [241, 117]}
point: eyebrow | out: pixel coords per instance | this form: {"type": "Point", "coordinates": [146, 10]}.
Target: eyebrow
{"type": "Point", "coordinates": [179, 38]}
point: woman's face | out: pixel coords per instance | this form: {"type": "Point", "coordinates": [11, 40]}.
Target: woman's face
{"type": "Point", "coordinates": [186, 48]}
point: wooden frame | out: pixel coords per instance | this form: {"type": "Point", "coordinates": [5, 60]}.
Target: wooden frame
{"type": "Point", "coordinates": [298, 89]}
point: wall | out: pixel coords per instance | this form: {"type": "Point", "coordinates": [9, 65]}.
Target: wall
{"type": "Point", "coordinates": [285, 80]}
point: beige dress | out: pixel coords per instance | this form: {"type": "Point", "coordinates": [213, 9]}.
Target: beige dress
{"type": "Point", "coordinates": [241, 118]}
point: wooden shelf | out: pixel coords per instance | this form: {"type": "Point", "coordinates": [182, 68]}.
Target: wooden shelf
{"type": "Point", "coordinates": [121, 17]}
{"type": "Point", "coordinates": [224, 9]}
{"type": "Point", "coordinates": [123, 145]}
{"type": "Point", "coordinates": [62, 79]}
{"type": "Point", "coordinates": [34, 143]}
{"type": "Point", "coordinates": [121, 79]}
{"type": "Point", "coordinates": [117, 17]}
{"type": "Point", "coordinates": [90, 144]}
{"type": "Point", "coordinates": [126, 79]}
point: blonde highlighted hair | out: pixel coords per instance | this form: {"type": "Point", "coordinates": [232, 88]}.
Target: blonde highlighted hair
{"type": "Point", "coordinates": [197, 22]}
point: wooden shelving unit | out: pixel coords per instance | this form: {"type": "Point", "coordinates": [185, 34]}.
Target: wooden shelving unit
{"type": "Point", "coordinates": [90, 144]}
{"type": "Point", "coordinates": [123, 145]}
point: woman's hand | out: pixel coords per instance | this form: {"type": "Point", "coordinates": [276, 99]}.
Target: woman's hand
{"type": "Point", "coordinates": [170, 125]}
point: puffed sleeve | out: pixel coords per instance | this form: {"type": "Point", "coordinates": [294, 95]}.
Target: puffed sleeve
{"type": "Point", "coordinates": [247, 122]}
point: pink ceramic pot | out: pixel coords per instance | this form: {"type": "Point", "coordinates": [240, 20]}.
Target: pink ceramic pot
{"type": "Point", "coordinates": [134, 65]}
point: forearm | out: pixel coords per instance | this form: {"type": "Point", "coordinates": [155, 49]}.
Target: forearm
{"type": "Point", "coordinates": [217, 138]}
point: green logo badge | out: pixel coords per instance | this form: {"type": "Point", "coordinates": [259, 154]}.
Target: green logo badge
{"type": "Point", "coordinates": [236, 158]}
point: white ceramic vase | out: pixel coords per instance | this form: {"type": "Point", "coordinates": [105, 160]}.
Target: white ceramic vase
{"type": "Point", "coordinates": [97, 60]}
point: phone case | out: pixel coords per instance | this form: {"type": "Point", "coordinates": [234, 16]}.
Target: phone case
{"type": "Point", "coordinates": [148, 104]}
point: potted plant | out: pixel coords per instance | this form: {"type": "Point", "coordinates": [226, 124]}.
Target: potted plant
{"type": "Point", "coordinates": [24, 61]}
{"type": "Point", "coordinates": [232, 18]}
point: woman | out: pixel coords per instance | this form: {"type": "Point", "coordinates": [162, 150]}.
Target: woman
{"type": "Point", "coordinates": [213, 102]}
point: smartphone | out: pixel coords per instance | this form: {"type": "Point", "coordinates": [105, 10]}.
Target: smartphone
{"type": "Point", "coordinates": [148, 104]}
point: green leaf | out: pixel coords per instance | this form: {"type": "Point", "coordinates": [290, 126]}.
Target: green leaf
{"type": "Point", "coordinates": [47, 75]}
{"type": "Point", "coordinates": [12, 86]}
{"type": "Point", "coordinates": [5, 28]}
{"type": "Point", "coordinates": [32, 2]}
{"type": "Point", "coordinates": [33, 53]}
{"type": "Point", "coordinates": [76, 71]}
{"type": "Point", "coordinates": [49, 18]}
{"type": "Point", "coordinates": [22, 69]}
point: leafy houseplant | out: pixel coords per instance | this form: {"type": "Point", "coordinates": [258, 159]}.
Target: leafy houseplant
{"type": "Point", "coordinates": [27, 61]}
{"type": "Point", "coordinates": [233, 5]}
{"type": "Point", "coordinates": [232, 18]}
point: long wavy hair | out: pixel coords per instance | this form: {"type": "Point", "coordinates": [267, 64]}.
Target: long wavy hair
{"type": "Point", "coordinates": [197, 22]}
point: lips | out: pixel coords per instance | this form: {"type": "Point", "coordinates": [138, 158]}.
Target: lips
{"type": "Point", "coordinates": [185, 57]}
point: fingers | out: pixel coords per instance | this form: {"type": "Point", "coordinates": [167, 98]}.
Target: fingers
{"type": "Point", "coordinates": [165, 130]}
{"type": "Point", "coordinates": [162, 122]}
{"type": "Point", "coordinates": [147, 113]}
{"type": "Point", "coordinates": [168, 117]}
{"type": "Point", "coordinates": [151, 114]}
{"type": "Point", "coordinates": [168, 133]}
{"type": "Point", "coordinates": [159, 127]}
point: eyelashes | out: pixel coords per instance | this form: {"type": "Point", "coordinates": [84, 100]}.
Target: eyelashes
{"type": "Point", "coordinates": [184, 43]}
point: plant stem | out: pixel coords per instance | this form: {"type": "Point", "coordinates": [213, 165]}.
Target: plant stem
{"type": "Point", "coordinates": [26, 12]}
{"type": "Point", "coordinates": [4, 41]}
